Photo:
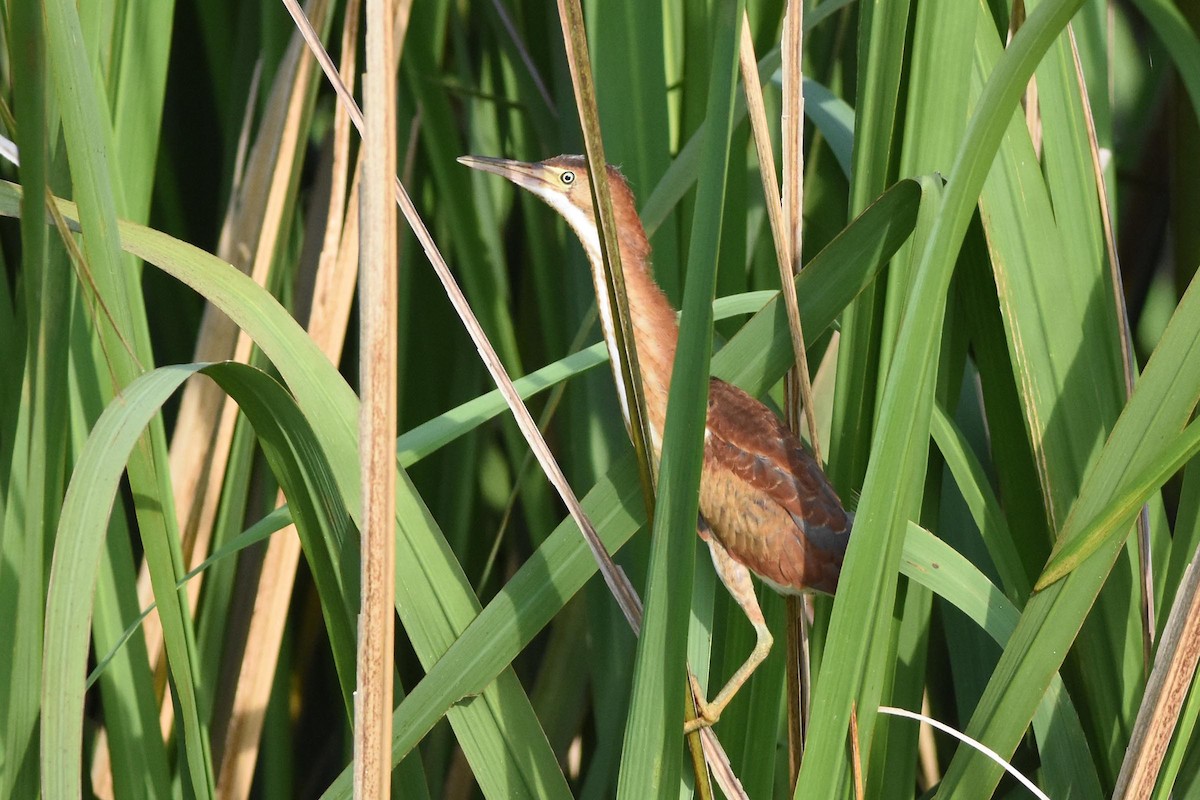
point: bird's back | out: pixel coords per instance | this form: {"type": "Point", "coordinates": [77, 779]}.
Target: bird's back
{"type": "Point", "coordinates": [766, 499]}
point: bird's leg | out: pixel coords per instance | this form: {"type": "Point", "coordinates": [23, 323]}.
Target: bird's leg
{"type": "Point", "coordinates": [737, 580]}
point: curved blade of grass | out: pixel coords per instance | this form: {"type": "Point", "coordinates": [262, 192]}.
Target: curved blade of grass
{"type": "Point", "coordinates": [1122, 508]}
{"type": "Point", "coordinates": [82, 527]}
{"type": "Point", "coordinates": [326, 531]}
{"type": "Point", "coordinates": [298, 464]}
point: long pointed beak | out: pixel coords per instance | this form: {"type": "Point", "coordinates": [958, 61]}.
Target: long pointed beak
{"type": "Point", "coordinates": [529, 176]}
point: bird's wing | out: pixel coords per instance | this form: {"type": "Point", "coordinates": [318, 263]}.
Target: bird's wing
{"type": "Point", "coordinates": [752, 443]}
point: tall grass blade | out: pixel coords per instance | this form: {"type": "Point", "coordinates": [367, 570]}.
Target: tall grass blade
{"type": "Point", "coordinates": [651, 762]}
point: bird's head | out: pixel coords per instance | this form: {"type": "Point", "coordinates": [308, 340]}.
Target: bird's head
{"type": "Point", "coordinates": [562, 183]}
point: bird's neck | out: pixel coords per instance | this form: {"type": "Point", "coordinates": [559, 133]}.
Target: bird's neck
{"type": "Point", "coordinates": [655, 328]}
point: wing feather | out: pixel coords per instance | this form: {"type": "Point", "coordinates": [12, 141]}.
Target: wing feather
{"type": "Point", "coordinates": [751, 443]}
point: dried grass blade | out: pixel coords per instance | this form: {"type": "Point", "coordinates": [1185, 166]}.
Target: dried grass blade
{"type": "Point", "coordinates": [1170, 679]}
{"type": "Point", "coordinates": [333, 294]}
{"type": "Point", "coordinates": [377, 420]}
{"type": "Point", "coordinates": [629, 374]}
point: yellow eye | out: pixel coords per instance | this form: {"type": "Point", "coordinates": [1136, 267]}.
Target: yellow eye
{"type": "Point", "coordinates": [567, 178]}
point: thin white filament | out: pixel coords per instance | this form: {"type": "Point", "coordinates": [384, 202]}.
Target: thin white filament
{"type": "Point", "coordinates": [962, 737]}
{"type": "Point", "coordinates": [8, 151]}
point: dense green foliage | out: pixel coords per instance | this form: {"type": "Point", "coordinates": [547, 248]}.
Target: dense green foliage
{"type": "Point", "coordinates": [1001, 318]}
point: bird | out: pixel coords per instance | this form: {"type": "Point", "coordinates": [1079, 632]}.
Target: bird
{"type": "Point", "coordinates": [766, 506]}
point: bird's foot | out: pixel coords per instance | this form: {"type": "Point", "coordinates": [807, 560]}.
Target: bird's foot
{"type": "Point", "coordinates": [706, 715]}
{"type": "Point", "coordinates": [701, 722]}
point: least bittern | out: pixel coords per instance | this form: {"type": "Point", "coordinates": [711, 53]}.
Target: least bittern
{"type": "Point", "coordinates": [765, 504]}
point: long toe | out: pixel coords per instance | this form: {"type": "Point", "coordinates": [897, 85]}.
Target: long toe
{"type": "Point", "coordinates": [704, 719]}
